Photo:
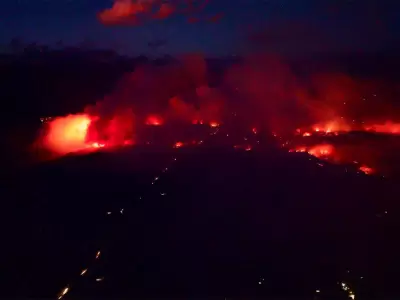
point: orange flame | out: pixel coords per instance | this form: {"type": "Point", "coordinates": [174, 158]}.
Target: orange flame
{"type": "Point", "coordinates": [68, 134]}
{"type": "Point", "coordinates": [388, 127]}
{"type": "Point", "coordinates": [154, 120]}
{"type": "Point", "coordinates": [332, 126]}
{"type": "Point", "coordinates": [321, 150]}
{"type": "Point", "coordinates": [366, 170]}
{"type": "Point", "coordinates": [178, 145]}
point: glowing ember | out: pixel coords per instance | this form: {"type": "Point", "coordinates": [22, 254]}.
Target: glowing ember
{"type": "Point", "coordinates": [154, 120]}
{"type": "Point", "coordinates": [339, 125]}
{"type": "Point", "coordinates": [128, 142]}
{"type": "Point", "coordinates": [388, 127]}
{"type": "Point", "coordinates": [366, 170]}
{"type": "Point", "coordinates": [332, 126]}
{"type": "Point", "coordinates": [299, 149]}
{"type": "Point", "coordinates": [83, 272]}
{"type": "Point", "coordinates": [63, 292]}
{"type": "Point", "coordinates": [214, 124]}
{"type": "Point", "coordinates": [197, 122]}
{"type": "Point", "coordinates": [321, 150]}
{"type": "Point", "coordinates": [243, 147]}
{"type": "Point", "coordinates": [178, 145]}
{"type": "Point", "coordinates": [98, 145]}
{"type": "Point", "coordinates": [45, 119]}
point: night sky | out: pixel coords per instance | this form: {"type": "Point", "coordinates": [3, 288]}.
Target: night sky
{"type": "Point", "coordinates": [281, 25]}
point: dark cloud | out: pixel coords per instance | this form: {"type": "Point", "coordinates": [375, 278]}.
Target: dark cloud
{"type": "Point", "coordinates": [317, 36]}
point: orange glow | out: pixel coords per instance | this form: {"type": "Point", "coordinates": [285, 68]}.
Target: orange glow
{"type": "Point", "coordinates": [321, 150]}
{"type": "Point", "coordinates": [154, 120]}
{"type": "Point", "coordinates": [387, 127]}
{"type": "Point", "coordinates": [332, 126]}
{"type": "Point", "coordinates": [366, 170]}
{"type": "Point", "coordinates": [339, 125]}
{"type": "Point", "coordinates": [299, 149]}
{"type": "Point", "coordinates": [197, 122]}
{"type": "Point", "coordinates": [68, 134]}
{"type": "Point", "coordinates": [178, 145]}
{"type": "Point", "coordinates": [98, 145]}
{"type": "Point", "coordinates": [75, 133]}
{"type": "Point", "coordinates": [214, 124]}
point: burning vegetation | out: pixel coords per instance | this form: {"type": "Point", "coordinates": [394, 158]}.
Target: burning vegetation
{"type": "Point", "coordinates": [318, 115]}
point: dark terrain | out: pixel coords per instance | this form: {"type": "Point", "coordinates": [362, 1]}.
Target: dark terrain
{"type": "Point", "coordinates": [218, 222]}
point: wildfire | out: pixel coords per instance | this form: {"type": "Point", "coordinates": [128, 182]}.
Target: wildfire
{"type": "Point", "coordinates": [388, 127]}
{"type": "Point", "coordinates": [68, 134]}
{"type": "Point", "coordinates": [154, 120]}
{"type": "Point", "coordinates": [178, 145]}
{"type": "Point", "coordinates": [338, 155]}
{"type": "Point", "coordinates": [80, 132]}
{"type": "Point", "coordinates": [319, 151]}
{"type": "Point", "coordinates": [98, 145]}
{"type": "Point", "coordinates": [366, 170]}
{"type": "Point", "coordinates": [339, 125]}
{"type": "Point", "coordinates": [334, 126]}
{"type": "Point", "coordinates": [323, 151]}
{"type": "Point", "coordinates": [197, 122]}
{"type": "Point", "coordinates": [299, 149]}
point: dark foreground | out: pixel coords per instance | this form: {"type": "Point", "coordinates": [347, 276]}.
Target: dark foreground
{"type": "Point", "coordinates": [213, 222]}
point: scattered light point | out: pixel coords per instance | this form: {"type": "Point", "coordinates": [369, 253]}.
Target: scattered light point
{"type": "Point", "coordinates": [83, 272]}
